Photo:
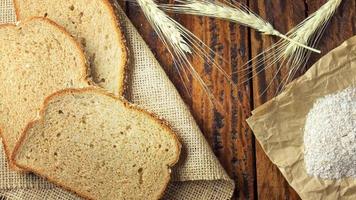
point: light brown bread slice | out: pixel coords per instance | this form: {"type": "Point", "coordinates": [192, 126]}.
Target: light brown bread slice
{"type": "Point", "coordinates": [37, 58]}
{"type": "Point", "coordinates": [94, 24]}
{"type": "Point", "coordinates": [99, 146]}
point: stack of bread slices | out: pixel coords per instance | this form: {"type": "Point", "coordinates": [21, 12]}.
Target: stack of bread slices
{"type": "Point", "coordinates": [63, 70]}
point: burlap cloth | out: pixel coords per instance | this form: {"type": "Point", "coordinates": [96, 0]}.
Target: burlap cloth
{"type": "Point", "coordinates": [198, 175]}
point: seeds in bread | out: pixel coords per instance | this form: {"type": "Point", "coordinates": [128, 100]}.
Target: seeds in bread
{"type": "Point", "coordinates": [38, 58]}
{"type": "Point", "coordinates": [94, 24]}
{"type": "Point", "coordinates": [98, 146]}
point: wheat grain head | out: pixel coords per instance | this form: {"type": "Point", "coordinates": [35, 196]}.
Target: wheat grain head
{"type": "Point", "coordinates": [181, 43]}
{"type": "Point", "coordinates": [287, 54]}
{"type": "Point", "coordinates": [304, 33]}
{"type": "Point", "coordinates": [236, 12]}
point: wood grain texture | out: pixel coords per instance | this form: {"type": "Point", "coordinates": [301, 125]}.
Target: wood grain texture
{"type": "Point", "coordinates": [227, 132]}
{"type": "Point", "coordinates": [270, 182]}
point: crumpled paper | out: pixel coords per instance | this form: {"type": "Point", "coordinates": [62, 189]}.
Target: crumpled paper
{"type": "Point", "coordinates": [278, 124]}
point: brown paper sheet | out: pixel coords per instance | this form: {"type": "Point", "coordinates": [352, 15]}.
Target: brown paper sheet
{"type": "Point", "coordinates": [278, 124]}
{"type": "Point", "coordinates": [198, 175]}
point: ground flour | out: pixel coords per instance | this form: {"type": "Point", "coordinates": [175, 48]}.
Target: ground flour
{"type": "Point", "coordinates": [330, 136]}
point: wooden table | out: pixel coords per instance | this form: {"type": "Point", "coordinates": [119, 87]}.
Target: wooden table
{"type": "Point", "coordinates": [228, 133]}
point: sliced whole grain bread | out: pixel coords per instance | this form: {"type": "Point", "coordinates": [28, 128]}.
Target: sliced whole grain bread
{"type": "Point", "coordinates": [94, 24]}
{"type": "Point", "coordinates": [37, 58]}
{"type": "Point", "coordinates": [91, 142]}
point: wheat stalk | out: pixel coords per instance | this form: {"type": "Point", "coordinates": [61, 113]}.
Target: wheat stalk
{"type": "Point", "coordinates": [237, 13]}
{"type": "Point", "coordinates": [180, 43]}
{"type": "Point", "coordinates": [286, 53]}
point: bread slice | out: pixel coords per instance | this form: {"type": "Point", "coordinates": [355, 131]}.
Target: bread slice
{"type": "Point", "coordinates": [37, 58]}
{"type": "Point", "coordinates": [99, 146]}
{"type": "Point", "coordinates": [94, 24]}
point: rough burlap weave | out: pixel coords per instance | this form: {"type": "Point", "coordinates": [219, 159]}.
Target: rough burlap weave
{"type": "Point", "coordinates": [198, 175]}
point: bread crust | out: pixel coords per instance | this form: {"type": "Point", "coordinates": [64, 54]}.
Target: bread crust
{"type": "Point", "coordinates": [164, 124]}
{"type": "Point", "coordinates": [126, 55]}
{"type": "Point", "coordinates": [84, 78]}
{"type": "Point", "coordinates": [122, 91]}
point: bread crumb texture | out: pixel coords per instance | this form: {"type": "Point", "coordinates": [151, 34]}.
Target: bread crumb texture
{"type": "Point", "coordinates": [37, 58]}
{"type": "Point", "coordinates": [99, 147]}
{"type": "Point", "coordinates": [95, 26]}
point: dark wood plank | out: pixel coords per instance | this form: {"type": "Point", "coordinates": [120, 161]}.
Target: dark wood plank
{"type": "Point", "coordinates": [283, 14]}
{"type": "Point", "coordinates": [227, 132]}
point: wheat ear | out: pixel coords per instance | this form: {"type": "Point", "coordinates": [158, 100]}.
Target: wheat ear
{"type": "Point", "coordinates": [288, 54]}
{"type": "Point", "coordinates": [164, 25]}
{"type": "Point", "coordinates": [180, 43]}
{"type": "Point", "coordinates": [305, 32]}
{"type": "Point", "coordinates": [237, 13]}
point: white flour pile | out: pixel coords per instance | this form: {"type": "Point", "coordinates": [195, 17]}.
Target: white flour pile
{"type": "Point", "coordinates": [330, 136]}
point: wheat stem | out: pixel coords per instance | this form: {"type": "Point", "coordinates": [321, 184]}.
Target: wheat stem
{"type": "Point", "coordinates": [297, 43]}
{"type": "Point", "coordinates": [235, 13]}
